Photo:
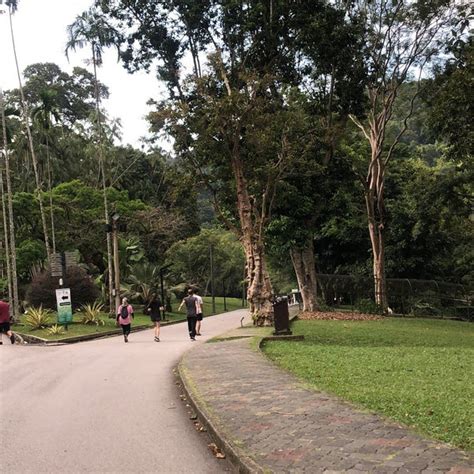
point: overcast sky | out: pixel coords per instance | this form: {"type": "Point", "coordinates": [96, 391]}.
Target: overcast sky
{"type": "Point", "coordinates": [40, 33]}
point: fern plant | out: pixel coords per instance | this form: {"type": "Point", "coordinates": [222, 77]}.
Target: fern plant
{"type": "Point", "coordinates": [56, 330]}
{"type": "Point", "coordinates": [92, 314]}
{"type": "Point", "coordinates": [38, 318]}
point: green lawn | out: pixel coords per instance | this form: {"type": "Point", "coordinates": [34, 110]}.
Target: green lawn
{"type": "Point", "coordinates": [78, 329]}
{"type": "Point", "coordinates": [419, 372]}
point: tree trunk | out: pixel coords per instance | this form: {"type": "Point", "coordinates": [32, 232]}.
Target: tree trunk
{"type": "Point", "coordinates": [377, 239]}
{"type": "Point", "coordinates": [10, 242]}
{"type": "Point", "coordinates": [305, 269]}
{"type": "Point", "coordinates": [112, 309]}
{"type": "Point", "coordinates": [51, 210]}
{"type": "Point", "coordinates": [30, 143]}
{"type": "Point", "coordinates": [259, 289]}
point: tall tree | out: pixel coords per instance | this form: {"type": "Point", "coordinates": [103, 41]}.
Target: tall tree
{"type": "Point", "coordinates": [43, 116]}
{"type": "Point", "coordinates": [246, 45]}
{"type": "Point", "coordinates": [90, 30]}
{"type": "Point", "coordinates": [331, 67]}
{"type": "Point", "coordinates": [401, 39]}
{"type": "Point", "coordinates": [8, 223]}
{"type": "Point", "coordinates": [12, 8]}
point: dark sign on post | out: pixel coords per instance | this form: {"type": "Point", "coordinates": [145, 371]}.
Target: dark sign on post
{"type": "Point", "coordinates": [56, 265]}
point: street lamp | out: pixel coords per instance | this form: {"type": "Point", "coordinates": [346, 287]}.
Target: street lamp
{"type": "Point", "coordinates": [163, 302]}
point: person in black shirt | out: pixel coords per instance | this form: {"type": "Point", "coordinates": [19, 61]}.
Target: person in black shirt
{"type": "Point", "coordinates": [191, 312]}
{"type": "Point", "coordinates": [154, 309]}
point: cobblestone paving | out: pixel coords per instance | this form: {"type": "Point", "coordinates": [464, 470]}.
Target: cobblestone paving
{"type": "Point", "coordinates": [268, 415]}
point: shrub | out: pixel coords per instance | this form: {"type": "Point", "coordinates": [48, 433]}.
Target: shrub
{"type": "Point", "coordinates": [42, 290]}
{"type": "Point", "coordinates": [180, 290]}
{"type": "Point", "coordinates": [92, 314]}
{"type": "Point", "coordinates": [367, 306]}
{"type": "Point", "coordinates": [3, 288]}
{"type": "Point", "coordinates": [56, 330]}
{"type": "Point", "coordinates": [38, 318]}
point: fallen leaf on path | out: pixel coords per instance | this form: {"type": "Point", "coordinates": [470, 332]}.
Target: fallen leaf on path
{"type": "Point", "coordinates": [216, 451]}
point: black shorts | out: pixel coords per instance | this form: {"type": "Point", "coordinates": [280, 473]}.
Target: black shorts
{"type": "Point", "coordinates": [5, 327]}
{"type": "Point", "coordinates": [155, 319]}
{"type": "Point", "coordinates": [199, 316]}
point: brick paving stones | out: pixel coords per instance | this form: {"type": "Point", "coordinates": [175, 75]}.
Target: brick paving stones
{"type": "Point", "coordinates": [269, 418]}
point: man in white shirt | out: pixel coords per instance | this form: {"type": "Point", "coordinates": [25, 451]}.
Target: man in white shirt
{"type": "Point", "coordinates": [199, 305]}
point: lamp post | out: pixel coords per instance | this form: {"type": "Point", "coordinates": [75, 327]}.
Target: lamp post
{"type": "Point", "coordinates": [211, 258]}
{"type": "Point", "coordinates": [115, 218]}
{"type": "Point", "coordinates": [162, 286]}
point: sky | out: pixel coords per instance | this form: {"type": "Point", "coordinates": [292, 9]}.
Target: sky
{"type": "Point", "coordinates": [40, 34]}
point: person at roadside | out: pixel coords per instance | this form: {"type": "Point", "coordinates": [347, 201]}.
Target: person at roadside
{"type": "Point", "coordinates": [154, 309]}
{"type": "Point", "coordinates": [191, 313]}
{"type": "Point", "coordinates": [199, 315]}
{"type": "Point", "coordinates": [5, 322]}
{"type": "Point", "coordinates": [124, 318]}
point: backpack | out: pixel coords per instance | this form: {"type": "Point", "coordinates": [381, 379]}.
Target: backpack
{"type": "Point", "coordinates": [124, 312]}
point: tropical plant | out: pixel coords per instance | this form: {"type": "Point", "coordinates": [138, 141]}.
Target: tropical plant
{"type": "Point", "coordinates": [92, 313]}
{"type": "Point", "coordinates": [10, 240]}
{"type": "Point", "coordinates": [12, 7]}
{"type": "Point", "coordinates": [89, 29]}
{"type": "Point", "coordinates": [142, 282]}
{"type": "Point", "coordinates": [38, 318]}
{"type": "Point", "coordinates": [56, 330]}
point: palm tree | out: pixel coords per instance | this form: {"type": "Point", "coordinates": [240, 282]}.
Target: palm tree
{"type": "Point", "coordinates": [89, 29]}
{"type": "Point", "coordinates": [10, 245]}
{"type": "Point", "coordinates": [12, 4]}
{"type": "Point", "coordinates": [43, 114]}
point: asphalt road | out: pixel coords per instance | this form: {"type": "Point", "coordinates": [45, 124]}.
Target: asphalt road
{"type": "Point", "coordinates": [102, 406]}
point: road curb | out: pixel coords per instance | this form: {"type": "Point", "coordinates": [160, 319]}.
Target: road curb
{"type": "Point", "coordinates": [240, 460]}
{"type": "Point", "coordinates": [86, 337]}
{"type": "Point", "coordinates": [237, 457]}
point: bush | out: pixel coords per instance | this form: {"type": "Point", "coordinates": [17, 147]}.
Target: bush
{"type": "Point", "coordinates": [367, 306]}
{"type": "Point", "coordinates": [180, 291]}
{"type": "Point", "coordinates": [3, 288]}
{"type": "Point", "coordinates": [420, 307]}
{"type": "Point", "coordinates": [42, 290]}
{"type": "Point", "coordinates": [38, 318]}
{"type": "Point", "coordinates": [56, 330]}
{"type": "Point", "coordinates": [92, 314]}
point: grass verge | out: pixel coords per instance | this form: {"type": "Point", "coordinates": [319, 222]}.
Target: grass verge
{"type": "Point", "coordinates": [418, 372]}
{"type": "Point", "coordinates": [79, 329]}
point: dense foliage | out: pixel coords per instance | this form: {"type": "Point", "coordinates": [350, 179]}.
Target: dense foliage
{"type": "Point", "coordinates": [263, 147]}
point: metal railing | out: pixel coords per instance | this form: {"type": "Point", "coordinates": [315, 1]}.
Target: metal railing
{"type": "Point", "coordinates": [405, 296]}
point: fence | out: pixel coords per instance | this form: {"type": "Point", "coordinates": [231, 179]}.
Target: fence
{"type": "Point", "coordinates": [405, 296]}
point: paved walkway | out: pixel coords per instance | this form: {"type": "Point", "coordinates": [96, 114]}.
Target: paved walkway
{"type": "Point", "coordinates": [103, 406]}
{"type": "Point", "coordinates": [274, 424]}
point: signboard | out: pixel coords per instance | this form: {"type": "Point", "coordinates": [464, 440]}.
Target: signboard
{"type": "Point", "coordinates": [70, 259]}
{"type": "Point", "coordinates": [61, 261]}
{"type": "Point", "coordinates": [56, 265]}
{"type": "Point", "coordinates": [63, 300]}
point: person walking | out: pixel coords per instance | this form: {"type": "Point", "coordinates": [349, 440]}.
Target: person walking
{"type": "Point", "coordinates": [199, 315]}
{"type": "Point", "coordinates": [191, 313]}
{"type": "Point", "coordinates": [5, 322]}
{"type": "Point", "coordinates": [124, 318]}
{"type": "Point", "coordinates": [154, 309]}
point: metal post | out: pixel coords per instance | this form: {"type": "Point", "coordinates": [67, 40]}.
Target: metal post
{"type": "Point", "coordinates": [116, 263]}
{"type": "Point", "coordinates": [162, 287]}
{"type": "Point", "coordinates": [211, 255]}
{"type": "Point", "coordinates": [225, 303]}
